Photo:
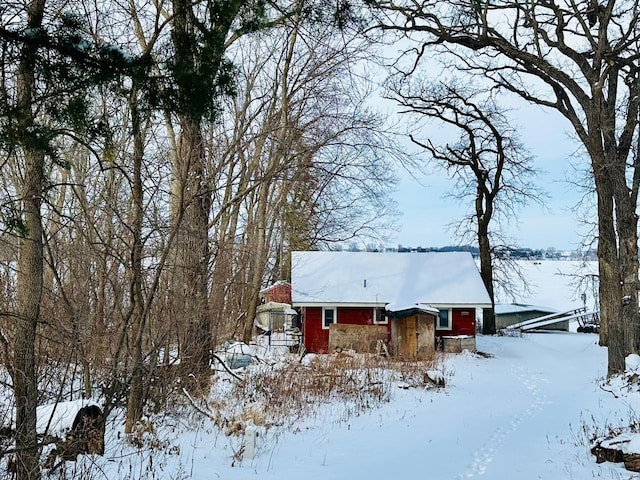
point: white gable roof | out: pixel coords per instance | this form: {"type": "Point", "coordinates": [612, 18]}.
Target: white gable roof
{"type": "Point", "coordinates": [431, 278]}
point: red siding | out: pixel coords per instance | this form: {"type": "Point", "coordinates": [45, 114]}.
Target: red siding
{"type": "Point", "coordinates": [463, 322]}
{"type": "Point", "coordinates": [355, 316]}
{"type": "Point", "coordinates": [280, 293]}
{"type": "Point", "coordinates": [316, 338]}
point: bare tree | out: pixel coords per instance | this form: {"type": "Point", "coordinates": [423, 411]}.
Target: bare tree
{"type": "Point", "coordinates": [308, 161]}
{"type": "Point", "coordinates": [48, 71]}
{"type": "Point", "coordinates": [580, 59]}
{"type": "Point", "coordinates": [491, 167]}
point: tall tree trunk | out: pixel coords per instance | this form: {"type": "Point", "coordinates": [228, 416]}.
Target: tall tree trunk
{"type": "Point", "coordinates": [191, 274]}
{"type": "Point", "coordinates": [617, 229]}
{"type": "Point", "coordinates": [197, 59]}
{"type": "Point", "coordinates": [30, 265]}
{"type": "Point", "coordinates": [486, 273]}
{"type": "Point", "coordinates": [258, 245]}
{"type": "Point", "coordinates": [135, 401]}
{"type": "Point", "coordinates": [219, 303]}
{"type": "Point", "coordinates": [617, 262]}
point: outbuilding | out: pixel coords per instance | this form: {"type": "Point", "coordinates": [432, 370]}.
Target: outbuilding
{"type": "Point", "coordinates": [413, 331]}
{"type": "Point", "coordinates": [354, 288]}
{"type": "Point", "coordinates": [514, 313]}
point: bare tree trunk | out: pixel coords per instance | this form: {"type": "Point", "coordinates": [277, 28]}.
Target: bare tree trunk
{"type": "Point", "coordinates": [618, 263]}
{"type": "Point", "coordinates": [135, 401]}
{"type": "Point", "coordinates": [30, 266]}
{"type": "Point", "coordinates": [258, 259]}
{"type": "Point", "coordinates": [190, 282]}
{"type": "Point", "coordinates": [486, 273]}
{"type": "Point", "coordinates": [222, 276]}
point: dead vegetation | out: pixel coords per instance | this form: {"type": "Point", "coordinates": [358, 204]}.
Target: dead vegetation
{"type": "Point", "coordinates": [285, 392]}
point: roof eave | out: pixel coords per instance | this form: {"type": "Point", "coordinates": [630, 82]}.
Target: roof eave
{"type": "Point", "coordinates": [382, 304]}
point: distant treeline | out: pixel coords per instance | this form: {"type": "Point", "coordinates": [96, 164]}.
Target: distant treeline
{"type": "Point", "coordinates": [500, 252]}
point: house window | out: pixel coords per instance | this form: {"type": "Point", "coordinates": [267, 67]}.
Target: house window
{"type": "Point", "coordinates": [328, 317]}
{"type": "Point", "coordinates": [380, 316]}
{"type": "Point", "coordinates": [444, 319]}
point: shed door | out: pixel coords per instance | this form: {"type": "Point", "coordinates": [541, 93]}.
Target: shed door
{"type": "Point", "coordinates": [407, 337]}
{"type": "Point", "coordinates": [464, 321]}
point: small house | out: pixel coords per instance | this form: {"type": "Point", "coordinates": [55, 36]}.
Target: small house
{"type": "Point", "coordinates": [355, 288]}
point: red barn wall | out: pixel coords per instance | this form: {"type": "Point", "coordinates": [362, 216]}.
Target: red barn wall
{"type": "Point", "coordinates": [463, 322]}
{"type": "Point", "coordinates": [316, 338]}
{"type": "Point", "coordinates": [280, 293]}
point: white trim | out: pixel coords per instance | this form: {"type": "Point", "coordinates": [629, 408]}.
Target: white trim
{"type": "Point", "coordinates": [450, 319]}
{"type": "Point", "coordinates": [335, 316]}
{"type": "Point", "coordinates": [339, 305]}
{"type": "Point", "coordinates": [380, 311]}
{"type": "Point", "coordinates": [383, 304]}
{"type": "Point", "coordinates": [461, 305]}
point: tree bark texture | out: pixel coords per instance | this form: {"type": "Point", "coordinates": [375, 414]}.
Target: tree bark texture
{"type": "Point", "coordinates": [617, 262]}
{"type": "Point", "coordinates": [198, 55]}
{"type": "Point", "coordinates": [30, 266]}
{"type": "Point", "coordinates": [136, 316]}
{"type": "Point", "coordinates": [191, 264]}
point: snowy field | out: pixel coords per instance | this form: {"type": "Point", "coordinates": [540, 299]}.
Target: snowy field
{"type": "Point", "coordinates": [557, 284]}
{"type": "Point", "coordinates": [518, 415]}
{"type": "Point", "coordinates": [526, 409]}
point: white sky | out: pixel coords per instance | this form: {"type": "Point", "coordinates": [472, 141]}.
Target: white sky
{"type": "Point", "coordinates": [426, 211]}
{"type": "Point", "coordinates": [546, 134]}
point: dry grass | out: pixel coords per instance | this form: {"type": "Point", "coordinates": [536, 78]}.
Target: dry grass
{"type": "Point", "coordinates": [289, 391]}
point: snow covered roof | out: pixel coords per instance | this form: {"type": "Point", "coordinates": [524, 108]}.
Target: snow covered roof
{"type": "Point", "coordinates": [399, 309]}
{"type": "Point", "coordinates": [430, 278]}
{"type": "Point", "coordinates": [506, 308]}
{"type": "Point", "coordinates": [274, 285]}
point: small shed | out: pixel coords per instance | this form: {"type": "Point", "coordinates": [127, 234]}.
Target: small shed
{"type": "Point", "coordinates": [413, 331]}
{"type": "Point", "coordinates": [279, 322]}
{"type": "Point", "coordinates": [275, 317]}
{"type": "Point", "coordinates": [279, 292]}
{"type": "Point", "coordinates": [510, 314]}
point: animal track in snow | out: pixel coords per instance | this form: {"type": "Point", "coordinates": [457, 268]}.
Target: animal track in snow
{"type": "Point", "coordinates": [483, 457]}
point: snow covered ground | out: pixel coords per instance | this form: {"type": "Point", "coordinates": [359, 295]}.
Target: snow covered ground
{"type": "Point", "coordinates": [527, 409]}
{"type": "Point", "coordinates": [520, 414]}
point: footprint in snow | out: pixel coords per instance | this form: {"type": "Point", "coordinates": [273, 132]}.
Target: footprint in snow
{"type": "Point", "coordinates": [483, 457]}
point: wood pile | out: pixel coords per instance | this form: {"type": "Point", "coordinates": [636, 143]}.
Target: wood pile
{"type": "Point", "coordinates": [619, 449]}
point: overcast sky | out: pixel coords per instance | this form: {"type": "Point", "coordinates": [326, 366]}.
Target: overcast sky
{"type": "Point", "coordinates": [426, 211]}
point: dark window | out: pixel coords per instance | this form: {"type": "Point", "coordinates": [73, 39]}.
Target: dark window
{"type": "Point", "coordinates": [328, 317]}
{"type": "Point", "coordinates": [380, 316]}
{"type": "Point", "coordinates": [443, 319]}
